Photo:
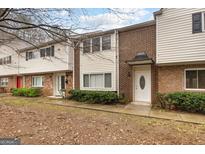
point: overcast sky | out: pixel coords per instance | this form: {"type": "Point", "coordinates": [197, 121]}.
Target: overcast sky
{"type": "Point", "coordinates": [104, 19]}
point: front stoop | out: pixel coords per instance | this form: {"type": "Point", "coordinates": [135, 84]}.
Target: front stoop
{"type": "Point", "coordinates": [138, 110]}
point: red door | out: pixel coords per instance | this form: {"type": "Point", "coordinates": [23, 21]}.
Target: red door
{"type": "Point", "coordinates": [19, 82]}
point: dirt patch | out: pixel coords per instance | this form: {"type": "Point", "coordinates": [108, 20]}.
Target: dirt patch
{"type": "Point", "coordinates": [37, 123]}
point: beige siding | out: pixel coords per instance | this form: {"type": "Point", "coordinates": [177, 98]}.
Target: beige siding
{"type": "Point", "coordinates": [9, 69]}
{"type": "Point", "coordinates": [99, 62]}
{"type": "Point", "coordinates": [62, 60]}
{"type": "Point", "coordinates": [175, 41]}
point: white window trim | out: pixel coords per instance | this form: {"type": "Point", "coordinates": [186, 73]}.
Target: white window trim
{"type": "Point", "coordinates": [192, 89]}
{"type": "Point", "coordinates": [203, 21]}
{"type": "Point", "coordinates": [4, 85]}
{"type": "Point", "coordinates": [103, 80]}
{"type": "Point", "coordinates": [39, 85]}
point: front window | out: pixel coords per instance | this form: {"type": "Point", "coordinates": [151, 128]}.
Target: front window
{"type": "Point", "coordinates": [195, 79]}
{"type": "Point", "coordinates": [4, 82]}
{"type": "Point", "coordinates": [101, 80]}
{"type": "Point", "coordinates": [37, 81]}
{"type": "Point", "coordinates": [106, 42]}
{"type": "Point", "coordinates": [96, 80]}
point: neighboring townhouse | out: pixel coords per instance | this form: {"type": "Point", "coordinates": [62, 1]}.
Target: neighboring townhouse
{"type": "Point", "coordinates": [180, 49]}
{"type": "Point", "coordinates": [96, 63]}
{"type": "Point", "coordinates": [49, 67]}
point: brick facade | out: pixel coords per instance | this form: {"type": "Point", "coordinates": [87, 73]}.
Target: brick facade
{"type": "Point", "coordinates": [132, 42]}
{"type": "Point", "coordinates": [48, 80]}
{"type": "Point", "coordinates": [77, 67]}
{"type": "Point", "coordinates": [171, 78]}
{"type": "Point", "coordinates": [11, 84]}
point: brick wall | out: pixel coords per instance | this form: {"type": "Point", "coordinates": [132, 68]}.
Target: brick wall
{"type": "Point", "coordinates": [171, 78]}
{"type": "Point", "coordinates": [77, 68]}
{"type": "Point", "coordinates": [48, 87]}
{"type": "Point", "coordinates": [130, 43]}
{"type": "Point", "coordinates": [11, 84]}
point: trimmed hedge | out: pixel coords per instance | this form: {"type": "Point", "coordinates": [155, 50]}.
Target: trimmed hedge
{"type": "Point", "coordinates": [101, 97]}
{"type": "Point", "coordinates": [185, 101]}
{"type": "Point", "coordinates": [27, 92]}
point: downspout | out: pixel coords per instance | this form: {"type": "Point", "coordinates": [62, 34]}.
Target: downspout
{"type": "Point", "coordinates": [117, 61]}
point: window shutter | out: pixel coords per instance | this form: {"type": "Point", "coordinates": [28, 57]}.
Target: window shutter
{"type": "Point", "coordinates": [26, 56]}
{"type": "Point", "coordinates": [9, 59]}
{"type": "Point", "coordinates": [196, 23]}
{"type": "Point", "coordinates": [52, 51]}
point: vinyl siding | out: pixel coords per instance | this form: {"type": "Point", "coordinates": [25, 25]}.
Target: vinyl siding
{"type": "Point", "coordinates": [99, 62]}
{"type": "Point", "coordinates": [175, 41]}
{"type": "Point", "coordinates": [9, 69]}
{"type": "Point", "coordinates": [62, 61]}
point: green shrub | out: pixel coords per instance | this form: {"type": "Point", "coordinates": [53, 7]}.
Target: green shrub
{"type": "Point", "coordinates": [186, 101]}
{"type": "Point", "coordinates": [104, 97]}
{"type": "Point", "coordinates": [27, 92]}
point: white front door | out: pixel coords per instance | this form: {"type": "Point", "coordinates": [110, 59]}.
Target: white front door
{"type": "Point", "coordinates": [59, 84]}
{"type": "Point", "coordinates": [142, 85]}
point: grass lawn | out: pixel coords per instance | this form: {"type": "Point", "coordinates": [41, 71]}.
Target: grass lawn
{"type": "Point", "coordinates": [35, 122]}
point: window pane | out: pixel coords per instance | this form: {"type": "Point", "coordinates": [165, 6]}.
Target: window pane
{"type": "Point", "coordinates": [86, 46]}
{"type": "Point", "coordinates": [96, 80]}
{"type": "Point", "coordinates": [106, 42]}
{"type": "Point", "coordinates": [201, 79]}
{"type": "Point", "coordinates": [92, 80]}
{"type": "Point", "coordinates": [99, 81]}
{"type": "Point", "coordinates": [108, 80]}
{"type": "Point", "coordinates": [191, 79]}
{"type": "Point", "coordinates": [48, 51]}
{"type": "Point", "coordinates": [96, 44]}
{"type": "Point", "coordinates": [85, 80]}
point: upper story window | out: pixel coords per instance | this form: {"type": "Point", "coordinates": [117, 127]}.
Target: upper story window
{"type": "Point", "coordinates": [100, 43]}
{"type": "Point", "coordinates": [5, 60]}
{"type": "Point", "coordinates": [47, 52]}
{"type": "Point", "coordinates": [96, 44]}
{"type": "Point", "coordinates": [86, 46]}
{"type": "Point", "coordinates": [198, 22]}
{"type": "Point", "coordinates": [4, 82]}
{"type": "Point", "coordinates": [106, 42]}
{"type": "Point", "coordinates": [30, 55]}
{"type": "Point", "coordinates": [195, 79]}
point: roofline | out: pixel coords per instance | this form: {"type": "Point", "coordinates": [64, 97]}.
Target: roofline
{"type": "Point", "coordinates": [159, 12]}
{"type": "Point", "coordinates": [42, 45]}
{"type": "Point", "coordinates": [126, 28]}
{"type": "Point", "coordinates": [96, 33]}
{"type": "Point", "coordinates": [140, 25]}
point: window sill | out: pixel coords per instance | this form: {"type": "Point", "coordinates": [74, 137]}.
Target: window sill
{"type": "Point", "coordinates": [37, 86]}
{"type": "Point", "coordinates": [196, 90]}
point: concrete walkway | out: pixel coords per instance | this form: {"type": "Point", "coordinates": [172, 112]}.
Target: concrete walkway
{"type": "Point", "coordinates": [138, 110]}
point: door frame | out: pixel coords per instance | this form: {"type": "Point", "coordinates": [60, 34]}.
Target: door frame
{"type": "Point", "coordinates": [55, 82]}
{"type": "Point", "coordinates": [141, 68]}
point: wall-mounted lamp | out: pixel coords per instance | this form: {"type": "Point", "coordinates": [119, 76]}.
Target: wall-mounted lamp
{"type": "Point", "coordinates": [129, 74]}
